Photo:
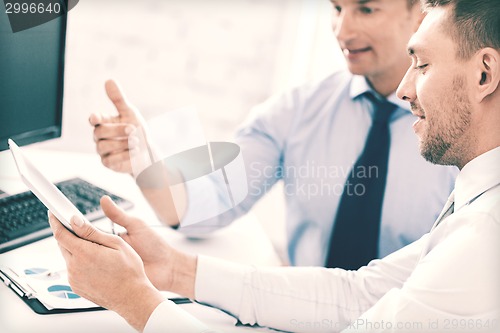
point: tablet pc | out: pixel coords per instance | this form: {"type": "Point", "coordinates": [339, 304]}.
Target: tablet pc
{"type": "Point", "coordinates": [43, 188]}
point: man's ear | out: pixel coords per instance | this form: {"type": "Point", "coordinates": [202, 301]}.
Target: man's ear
{"type": "Point", "coordinates": [487, 75]}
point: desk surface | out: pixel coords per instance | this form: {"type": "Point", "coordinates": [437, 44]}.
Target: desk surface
{"type": "Point", "coordinates": [241, 238]}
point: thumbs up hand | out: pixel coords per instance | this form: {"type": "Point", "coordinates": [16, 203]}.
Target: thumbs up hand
{"type": "Point", "coordinates": [111, 133]}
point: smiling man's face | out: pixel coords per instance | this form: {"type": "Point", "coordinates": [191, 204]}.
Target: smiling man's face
{"type": "Point", "coordinates": [373, 34]}
{"type": "Point", "coordinates": [437, 87]}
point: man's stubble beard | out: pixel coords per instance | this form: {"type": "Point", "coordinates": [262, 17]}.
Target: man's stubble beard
{"type": "Point", "coordinates": [444, 142]}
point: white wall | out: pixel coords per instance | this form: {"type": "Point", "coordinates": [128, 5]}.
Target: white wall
{"type": "Point", "coordinates": [222, 56]}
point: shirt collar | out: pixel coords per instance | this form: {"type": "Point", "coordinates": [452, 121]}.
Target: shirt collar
{"type": "Point", "coordinates": [359, 85]}
{"type": "Point", "coordinates": [477, 177]}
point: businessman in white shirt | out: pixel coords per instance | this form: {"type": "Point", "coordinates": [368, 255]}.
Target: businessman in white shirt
{"type": "Point", "coordinates": [445, 281]}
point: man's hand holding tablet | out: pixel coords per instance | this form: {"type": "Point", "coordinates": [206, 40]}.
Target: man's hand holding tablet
{"type": "Point", "coordinates": [43, 189]}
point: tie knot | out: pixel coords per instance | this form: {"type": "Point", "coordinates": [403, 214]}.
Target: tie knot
{"type": "Point", "coordinates": [382, 108]}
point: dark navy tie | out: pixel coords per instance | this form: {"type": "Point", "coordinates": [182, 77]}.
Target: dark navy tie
{"type": "Point", "coordinates": [355, 233]}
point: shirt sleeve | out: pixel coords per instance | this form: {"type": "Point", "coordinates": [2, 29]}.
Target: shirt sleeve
{"type": "Point", "coordinates": [168, 317]}
{"type": "Point", "coordinates": [300, 298]}
{"type": "Point", "coordinates": [459, 266]}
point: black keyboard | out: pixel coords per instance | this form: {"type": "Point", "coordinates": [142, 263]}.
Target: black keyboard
{"type": "Point", "coordinates": [23, 218]}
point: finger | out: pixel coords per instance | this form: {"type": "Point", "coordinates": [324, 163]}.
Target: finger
{"type": "Point", "coordinates": [112, 130]}
{"type": "Point", "coordinates": [106, 147]}
{"type": "Point", "coordinates": [118, 215]}
{"type": "Point", "coordinates": [87, 231]}
{"type": "Point", "coordinates": [119, 162]}
{"type": "Point", "coordinates": [118, 98]}
{"type": "Point", "coordinates": [125, 236]}
{"type": "Point", "coordinates": [97, 119]}
{"type": "Point", "coordinates": [64, 237]}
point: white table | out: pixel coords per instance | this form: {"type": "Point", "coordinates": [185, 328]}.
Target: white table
{"type": "Point", "coordinates": [244, 241]}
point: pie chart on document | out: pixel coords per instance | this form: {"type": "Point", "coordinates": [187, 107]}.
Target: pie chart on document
{"type": "Point", "coordinates": [62, 291]}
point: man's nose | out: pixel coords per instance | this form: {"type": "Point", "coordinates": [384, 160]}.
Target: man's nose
{"type": "Point", "coordinates": [406, 90]}
{"type": "Point", "coordinates": [343, 26]}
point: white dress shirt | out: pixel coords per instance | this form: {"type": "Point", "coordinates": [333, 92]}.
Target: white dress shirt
{"type": "Point", "coordinates": [448, 281]}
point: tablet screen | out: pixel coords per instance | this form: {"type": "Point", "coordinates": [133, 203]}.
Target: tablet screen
{"type": "Point", "coordinates": [43, 189]}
